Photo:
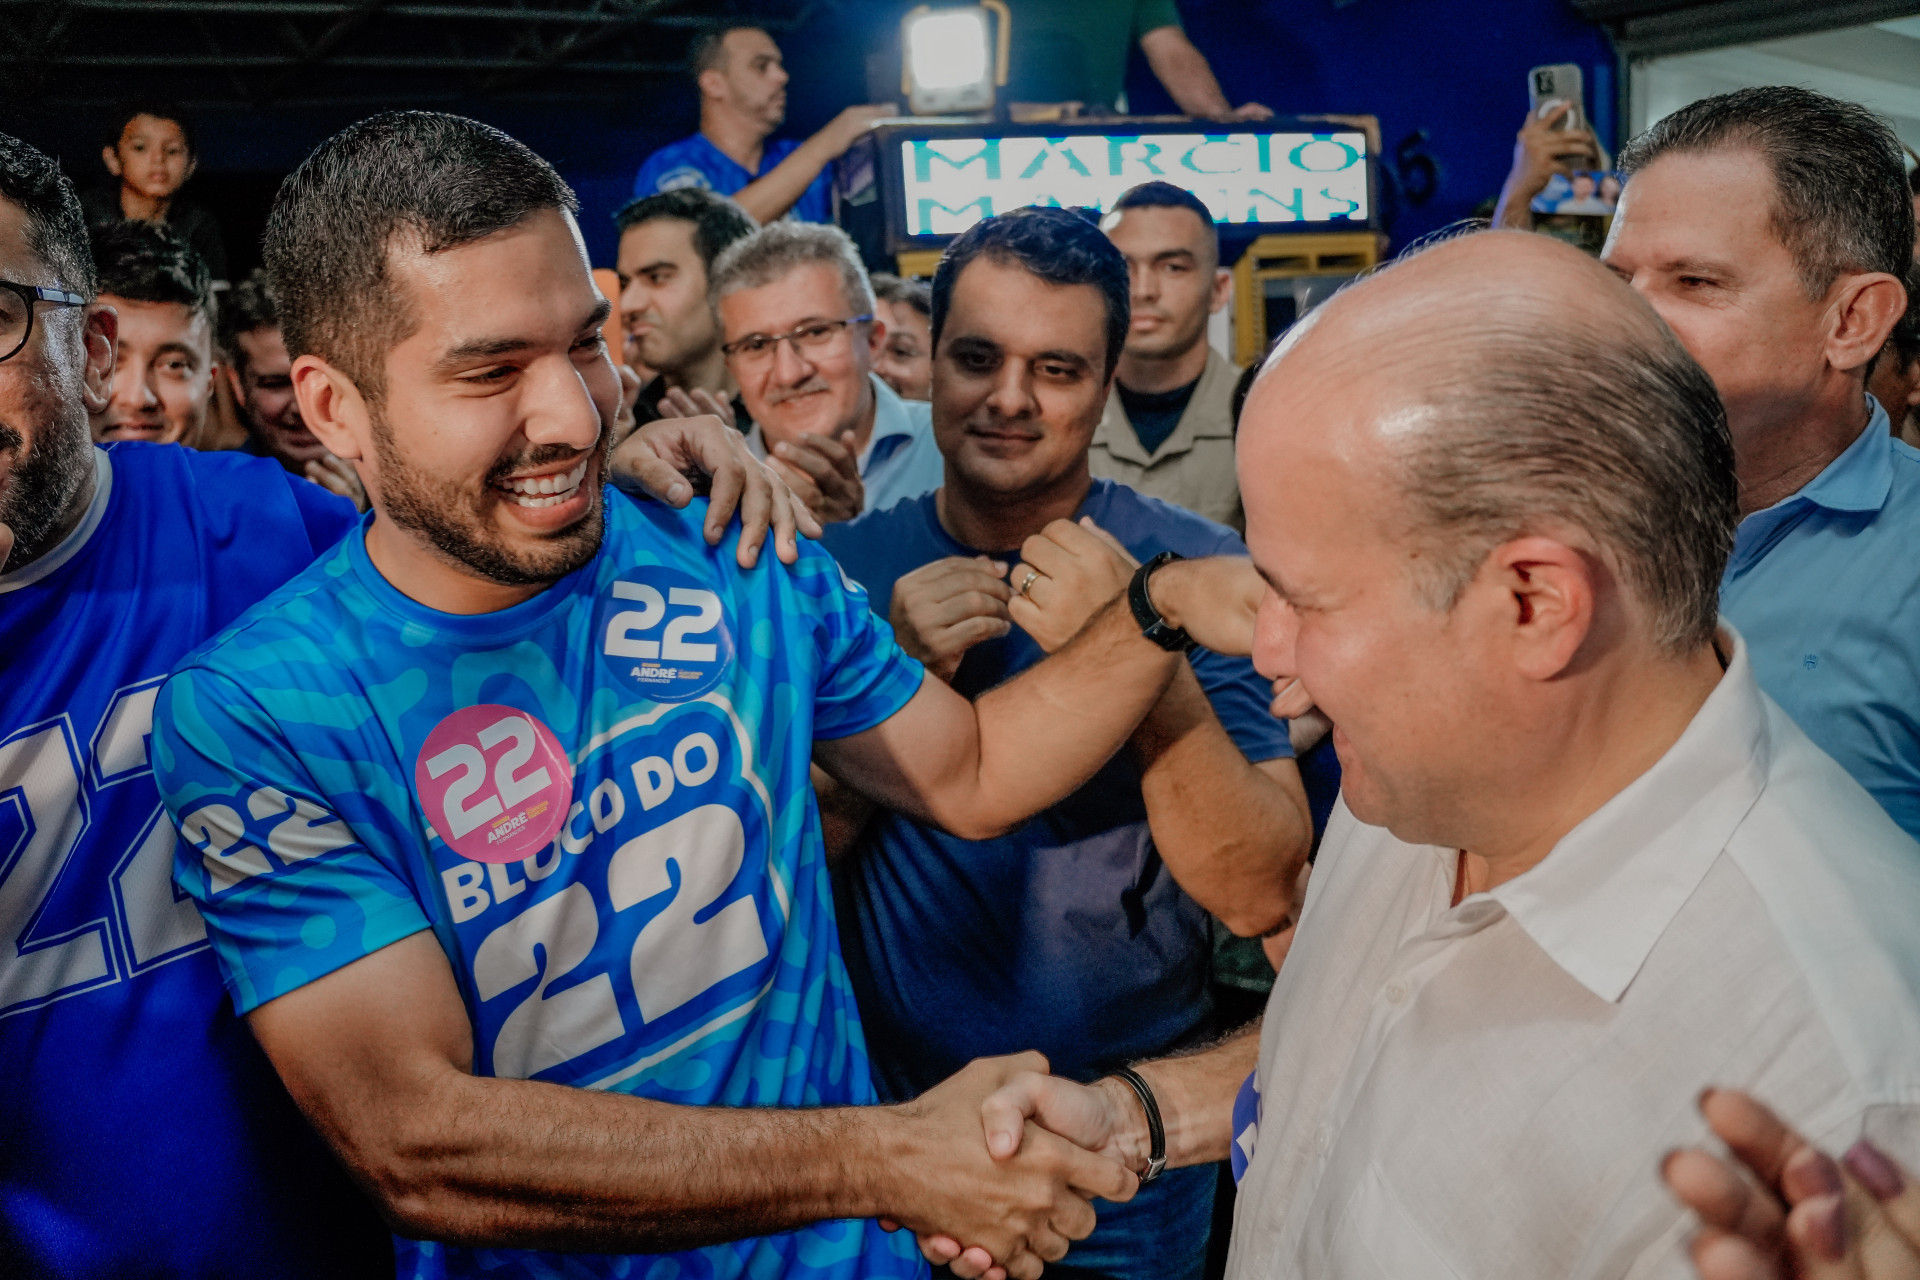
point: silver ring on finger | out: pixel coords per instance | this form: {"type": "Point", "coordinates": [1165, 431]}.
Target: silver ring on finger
{"type": "Point", "coordinates": [1026, 583]}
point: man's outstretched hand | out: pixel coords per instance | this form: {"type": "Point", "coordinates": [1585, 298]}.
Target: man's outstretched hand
{"type": "Point", "coordinates": [671, 458]}
{"type": "Point", "coordinates": [1102, 1118]}
{"type": "Point", "coordinates": [1021, 1205]}
{"type": "Point", "coordinates": [1792, 1211]}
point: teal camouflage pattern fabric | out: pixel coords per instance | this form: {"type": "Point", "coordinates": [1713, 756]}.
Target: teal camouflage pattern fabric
{"type": "Point", "coordinates": [661, 924]}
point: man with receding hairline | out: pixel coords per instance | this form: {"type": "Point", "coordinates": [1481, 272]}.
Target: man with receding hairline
{"type": "Point", "coordinates": [1582, 867]}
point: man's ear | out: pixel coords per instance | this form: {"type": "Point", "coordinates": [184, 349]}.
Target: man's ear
{"type": "Point", "coordinates": [111, 157]}
{"type": "Point", "coordinates": [333, 409]}
{"type": "Point", "coordinates": [1552, 592]}
{"type": "Point", "coordinates": [100, 337]}
{"type": "Point", "coordinates": [876, 337]}
{"type": "Point", "coordinates": [712, 84]}
{"type": "Point", "coordinates": [1222, 290]}
{"type": "Point", "coordinates": [193, 163]}
{"type": "Point", "coordinates": [1865, 309]}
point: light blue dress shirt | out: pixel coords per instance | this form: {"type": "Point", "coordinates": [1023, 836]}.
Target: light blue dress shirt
{"type": "Point", "coordinates": [902, 461]}
{"type": "Point", "coordinates": [1824, 586]}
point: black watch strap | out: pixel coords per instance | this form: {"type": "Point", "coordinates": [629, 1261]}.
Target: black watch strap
{"type": "Point", "coordinates": [1156, 1131]}
{"type": "Point", "coordinates": [1152, 625]}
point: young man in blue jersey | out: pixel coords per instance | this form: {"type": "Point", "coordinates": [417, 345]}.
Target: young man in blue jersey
{"type": "Point", "coordinates": [1083, 933]}
{"type": "Point", "coordinates": [500, 815]}
{"type": "Point", "coordinates": [141, 1130]}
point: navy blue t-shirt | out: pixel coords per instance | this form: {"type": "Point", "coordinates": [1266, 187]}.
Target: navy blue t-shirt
{"type": "Point", "coordinates": [142, 1131]}
{"type": "Point", "coordinates": [1067, 934]}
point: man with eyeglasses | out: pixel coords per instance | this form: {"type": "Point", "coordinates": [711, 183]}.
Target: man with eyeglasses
{"type": "Point", "coordinates": [800, 338]}
{"type": "Point", "coordinates": [142, 1132]}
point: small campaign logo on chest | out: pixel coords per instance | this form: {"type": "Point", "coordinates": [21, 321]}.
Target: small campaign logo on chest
{"type": "Point", "coordinates": [663, 634]}
{"type": "Point", "coordinates": [494, 782]}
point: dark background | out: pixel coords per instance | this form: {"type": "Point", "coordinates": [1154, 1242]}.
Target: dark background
{"type": "Point", "coordinates": [263, 85]}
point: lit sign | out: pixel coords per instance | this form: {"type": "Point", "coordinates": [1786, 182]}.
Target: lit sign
{"type": "Point", "coordinates": [952, 183]}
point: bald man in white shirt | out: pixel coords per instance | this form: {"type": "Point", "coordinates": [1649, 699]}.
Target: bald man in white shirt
{"type": "Point", "coordinates": [1582, 869]}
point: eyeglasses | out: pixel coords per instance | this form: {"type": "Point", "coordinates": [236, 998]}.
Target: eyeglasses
{"type": "Point", "coordinates": [16, 312]}
{"type": "Point", "coordinates": [814, 335]}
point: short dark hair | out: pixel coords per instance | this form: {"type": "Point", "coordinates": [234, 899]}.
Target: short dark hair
{"type": "Point", "coordinates": [147, 262]}
{"type": "Point", "coordinates": [437, 181]}
{"type": "Point", "coordinates": [1061, 246]}
{"type": "Point", "coordinates": [131, 111]}
{"type": "Point", "coordinates": [1164, 195]}
{"type": "Point", "coordinates": [717, 221]}
{"type": "Point", "coordinates": [56, 226]}
{"type": "Point", "coordinates": [246, 308]}
{"type": "Point", "coordinates": [708, 49]}
{"type": "Point", "coordinates": [908, 293]}
{"type": "Point", "coordinates": [1841, 201]}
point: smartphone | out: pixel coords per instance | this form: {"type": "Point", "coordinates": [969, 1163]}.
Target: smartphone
{"type": "Point", "coordinates": [1559, 82]}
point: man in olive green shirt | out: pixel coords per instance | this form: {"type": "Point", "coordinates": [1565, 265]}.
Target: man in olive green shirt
{"type": "Point", "coordinates": [1076, 51]}
{"type": "Point", "coordinates": [1168, 426]}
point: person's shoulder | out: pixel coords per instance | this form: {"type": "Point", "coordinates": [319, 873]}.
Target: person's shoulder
{"type": "Point", "coordinates": [1148, 525]}
{"type": "Point", "coordinates": [677, 165]}
{"type": "Point", "coordinates": [894, 526]}
{"type": "Point", "coordinates": [1840, 884]}
{"type": "Point", "coordinates": [304, 614]}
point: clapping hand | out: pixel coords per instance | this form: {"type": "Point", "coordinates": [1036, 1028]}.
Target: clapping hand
{"type": "Point", "coordinates": [942, 609]}
{"type": "Point", "coordinates": [336, 475]}
{"type": "Point", "coordinates": [825, 472]}
{"type": "Point", "coordinates": [1780, 1208]}
{"type": "Point", "coordinates": [698, 403]}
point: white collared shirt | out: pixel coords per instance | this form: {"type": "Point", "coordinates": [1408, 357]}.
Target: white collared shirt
{"type": "Point", "coordinates": [1486, 1091]}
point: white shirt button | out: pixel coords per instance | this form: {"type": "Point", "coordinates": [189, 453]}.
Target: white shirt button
{"type": "Point", "coordinates": [1396, 993]}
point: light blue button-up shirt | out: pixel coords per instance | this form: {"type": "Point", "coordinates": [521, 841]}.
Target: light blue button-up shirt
{"type": "Point", "coordinates": [1825, 588]}
{"type": "Point", "coordinates": [901, 460]}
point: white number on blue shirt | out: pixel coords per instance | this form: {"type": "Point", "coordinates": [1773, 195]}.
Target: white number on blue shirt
{"type": "Point", "coordinates": [44, 781]}
{"type": "Point", "coordinates": [676, 957]}
{"type": "Point", "coordinates": [623, 628]}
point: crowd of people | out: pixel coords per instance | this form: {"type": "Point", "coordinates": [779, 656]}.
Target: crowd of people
{"type": "Point", "coordinates": [437, 837]}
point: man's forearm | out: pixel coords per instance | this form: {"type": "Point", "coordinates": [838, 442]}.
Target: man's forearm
{"type": "Point", "coordinates": [769, 197]}
{"type": "Point", "coordinates": [1044, 733]}
{"type": "Point", "coordinates": [520, 1164]}
{"type": "Point", "coordinates": [1184, 72]}
{"type": "Point", "coordinates": [1232, 833]}
{"type": "Point", "coordinates": [1195, 1095]}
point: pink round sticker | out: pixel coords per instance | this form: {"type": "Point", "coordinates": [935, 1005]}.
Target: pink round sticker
{"type": "Point", "coordinates": [494, 783]}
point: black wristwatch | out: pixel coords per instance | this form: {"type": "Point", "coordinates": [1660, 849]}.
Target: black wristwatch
{"type": "Point", "coordinates": [1152, 625]}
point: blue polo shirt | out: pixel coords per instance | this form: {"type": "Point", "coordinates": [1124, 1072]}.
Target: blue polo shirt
{"type": "Point", "coordinates": [1824, 586]}
{"type": "Point", "coordinates": [696, 162]}
{"type": "Point", "coordinates": [1065, 935]}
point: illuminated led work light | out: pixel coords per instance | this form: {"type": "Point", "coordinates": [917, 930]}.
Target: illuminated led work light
{"type": "Point", "coordinates": [953, 57]}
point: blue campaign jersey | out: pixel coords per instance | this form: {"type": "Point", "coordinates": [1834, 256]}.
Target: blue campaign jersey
{"type": "Point", "coordinates": [696, 162]}
{"type": "Point", "coordinates": [142, 1131]}
{"type": "Point", "coordinates": [1065, 935]}
{"type": "Point", "coordinates": [598, 800]}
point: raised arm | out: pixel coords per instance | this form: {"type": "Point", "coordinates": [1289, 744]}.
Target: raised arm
{"type": "Point", "coordinates": [1189, 79]}
{"type": "Point", "coordinates": [378, 1055]}
{"type": "Point", "coordinates": [770, 197]}
{"type": "Point", "coordinates": [980, 768]}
